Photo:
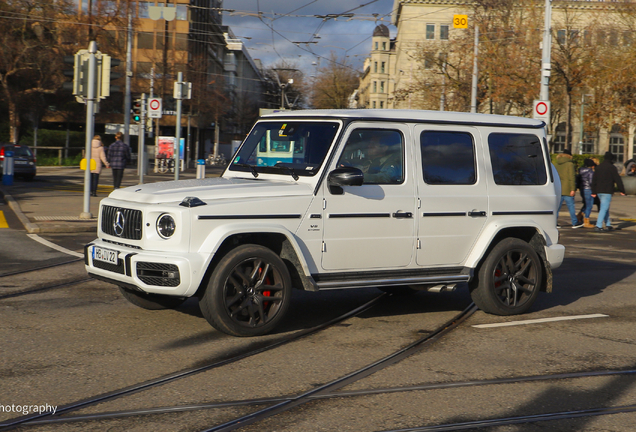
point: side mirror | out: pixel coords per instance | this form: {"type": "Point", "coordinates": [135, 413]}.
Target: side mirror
{"type": "Point", "coordinates": [346, 176]}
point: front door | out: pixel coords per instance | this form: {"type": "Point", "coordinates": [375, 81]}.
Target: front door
{"type": "Point", "coordinates": [371, 226]}
{"type": "Point", "coordinates": [452, 193]}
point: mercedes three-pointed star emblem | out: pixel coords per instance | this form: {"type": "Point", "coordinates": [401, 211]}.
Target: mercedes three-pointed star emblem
{"type": "Point", "coordinates": [119, 223]}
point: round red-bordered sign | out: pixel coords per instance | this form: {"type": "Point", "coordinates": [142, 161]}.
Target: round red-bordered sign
{"type": "Point", "coordinates": [541, 108]}
{"type": "Point", "coordinates": [154, 104]}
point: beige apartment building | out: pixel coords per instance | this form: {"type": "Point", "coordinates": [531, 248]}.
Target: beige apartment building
{"type": "Point", "coordinates": [396, 65]}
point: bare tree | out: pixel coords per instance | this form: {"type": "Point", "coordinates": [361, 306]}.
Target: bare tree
{"type": "Point", "coordinates": [334, 84]}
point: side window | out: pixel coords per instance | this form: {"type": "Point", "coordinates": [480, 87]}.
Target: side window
{"type": "Point", "coordinates": [448, 158]}
{"type": "Point", "coordinates": [379, 153]}
{"type": "Point", "coordinates": [517, 159]}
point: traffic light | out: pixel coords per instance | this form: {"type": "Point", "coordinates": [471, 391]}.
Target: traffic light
{"type": "Point", "coordinates": [136, 111]}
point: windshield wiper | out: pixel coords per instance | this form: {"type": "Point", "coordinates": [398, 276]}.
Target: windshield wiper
{"type": "Point", "coordinates": [288, 169]}
{"type": "Point", "coordinates": [252, 168]}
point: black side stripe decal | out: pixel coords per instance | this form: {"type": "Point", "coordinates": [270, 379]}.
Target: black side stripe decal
{"type": "Point", "coordinates": [516, 213]}
{"type": "Point", "coordinates": [360, 215]}
{"type": "Point", "coordinates": [225, 217]}
{"type": "Point", "coordinates": [444, 214]}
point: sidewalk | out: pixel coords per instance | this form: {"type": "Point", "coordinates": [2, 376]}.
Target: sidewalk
{"type": "Point", "coordinates": [53, 201]}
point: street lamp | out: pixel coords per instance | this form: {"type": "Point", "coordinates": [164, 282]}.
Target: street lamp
{"type": "Point", "coordinates": [582, 113]}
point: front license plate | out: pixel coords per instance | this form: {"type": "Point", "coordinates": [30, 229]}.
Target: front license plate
{"type": "Point", "coordinates": [105, 255]}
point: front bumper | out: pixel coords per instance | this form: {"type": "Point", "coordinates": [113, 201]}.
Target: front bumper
{"type": "Point", "coordinates": [149, 271]}
{"type": "Point", "coordinates": [555, 254]}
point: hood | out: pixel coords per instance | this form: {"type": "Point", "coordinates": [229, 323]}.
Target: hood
{"type": "Point", "coordinates": [96, 144]}
{"type": "Point", "coordinates": [210, 189]}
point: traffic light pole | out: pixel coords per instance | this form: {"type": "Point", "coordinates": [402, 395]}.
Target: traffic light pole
{"type": "Point", "coordinates": [90, 125]}
{"type": "Point", "coordinates": [141, 156]}
{"type": "Point", "coordinates": [177, 149]}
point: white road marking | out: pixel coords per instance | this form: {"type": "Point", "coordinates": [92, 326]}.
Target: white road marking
{"type": "Point", "coordinates": [39, 239]}
{"type": "Point", "coordinates": [540, 320]}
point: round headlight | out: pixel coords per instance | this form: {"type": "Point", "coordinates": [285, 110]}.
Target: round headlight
{"type": "Point", "coordinates": [166, 226]}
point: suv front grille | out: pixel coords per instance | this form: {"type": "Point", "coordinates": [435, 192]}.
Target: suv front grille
{"type": "Point", "coordinates": [130, 228]}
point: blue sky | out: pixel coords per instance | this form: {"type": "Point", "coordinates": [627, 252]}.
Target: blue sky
{"type": "Point", "coordinates": [270, 36]}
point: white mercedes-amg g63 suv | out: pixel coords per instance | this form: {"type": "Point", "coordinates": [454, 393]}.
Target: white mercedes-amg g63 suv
{"type": "Point", "coordinates": [317, 200]}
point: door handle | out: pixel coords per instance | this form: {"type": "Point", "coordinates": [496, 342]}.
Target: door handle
{"type": "Point", "coordinates": [402, 215]}
{"type": "Point", "coordinates": [475, 213]}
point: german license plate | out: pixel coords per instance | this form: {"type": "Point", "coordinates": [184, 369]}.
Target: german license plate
{"type": "Point", "coordinates": [18, 162]}
{"type": "Point", "coordinates": [105, 255]}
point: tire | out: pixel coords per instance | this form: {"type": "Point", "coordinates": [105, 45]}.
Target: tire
{"type": "Point", "coordinates": [249, 292]}
{"type": "Point", "coordinates": [151, 301]}
{"type": "Point", "coordinates": [509, 280]}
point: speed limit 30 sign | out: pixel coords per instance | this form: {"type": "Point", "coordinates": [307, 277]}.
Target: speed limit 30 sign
{"type": "Point", "coordinates": [541, 110]}
{"type": "Point", "coordinates": [154, 108]}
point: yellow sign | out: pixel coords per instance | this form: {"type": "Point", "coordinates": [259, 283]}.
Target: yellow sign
{"type": "Point", "coordinates": [460, 21]}
{"type": "Point", "coordinates": [83, 164]}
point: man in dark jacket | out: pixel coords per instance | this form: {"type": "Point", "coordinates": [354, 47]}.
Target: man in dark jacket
{"type": "Point", "coordinates": [605, 176]}
{"type": "Point", "coordinates": [118, 156]}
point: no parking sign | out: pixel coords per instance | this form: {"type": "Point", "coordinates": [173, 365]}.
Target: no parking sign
{"type": "Point", "coordinates": [541, 110]}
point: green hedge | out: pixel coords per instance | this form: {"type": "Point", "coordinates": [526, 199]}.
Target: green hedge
{"type": "Point", "coordinates": [577, 158]}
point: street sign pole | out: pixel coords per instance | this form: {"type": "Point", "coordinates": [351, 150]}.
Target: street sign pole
{"type": "Point", "coordinates": [141, 152]}
{"type": "Point", "coordinates": [179, 97]}
{"type": "Point", "coordinates": [90, 125]}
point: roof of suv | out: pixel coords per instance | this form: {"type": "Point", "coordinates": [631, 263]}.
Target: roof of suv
{"type": "Point", "coordinates": [415, 116]}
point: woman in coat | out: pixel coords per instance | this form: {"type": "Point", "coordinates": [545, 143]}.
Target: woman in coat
{"type": "Point", "coordinates": [99, 156]}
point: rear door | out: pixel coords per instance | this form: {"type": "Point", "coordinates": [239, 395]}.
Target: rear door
{"type": "Point", "coordinates": [452, 192]}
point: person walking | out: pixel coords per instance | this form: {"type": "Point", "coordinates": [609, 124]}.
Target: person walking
{"type": "Point", "coordinates": [586, 172]}
{"type": "Point", "coordinates": [565, 168]}
{"type": "Point", "coordinates": [603, 181]}
{"type": "Point", "coordinates": [118, 157]}
{"type": "Point", "coordinates": [99, 156]}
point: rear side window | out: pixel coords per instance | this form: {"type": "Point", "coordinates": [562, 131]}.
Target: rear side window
{"type": "Point", "coordinates": [517, 159]}
{"type": "Point", "coordinates": [448, 158]}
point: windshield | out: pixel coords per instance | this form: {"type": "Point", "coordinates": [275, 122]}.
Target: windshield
{"type": "Point", "coordinates": [281, 146]}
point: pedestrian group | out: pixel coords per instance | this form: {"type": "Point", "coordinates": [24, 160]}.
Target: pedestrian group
{"type": "Point", "coordinates": [596, 182]}
{"type": "Point", "coordinates": [116, 157]}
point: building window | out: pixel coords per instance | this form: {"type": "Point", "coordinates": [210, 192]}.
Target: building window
{"type": "Point", "coordinates": [182, 12]}
{"type": "Point", "coordinates": [383, 46]}
{"type": "Point", "coordinates": [145, 40]}
{"type": "Point", "coordinates": [561, 37]}
{"type": "Point", "coordinates": [381, 104]}
{"type": "Point", "coordinates": [376, 46]}
{"type": "Point", "coordinates": [616, 147]}
{"type": "Point", "coordinates": [430, 31]}
{"type": "Point", "coordinates": [375, 67]}
{"type": "Point", "coordinates": [382, 68]}
{"type": "Point", "coordinates": [375, 86]}
{"type": "Point", "coordinates": [373, 104]}
{"type": "Point", "coordinates": [181, 42]}
{"type": "Point", "coordinates": [443, 32]}
{"type": "Point", "coordinates": [587, 146]}
{"type": "Point", "coordinates": [143, 9]}
{"type": "Point", "coordinates": [381, 86]}
{"type": "Point", "coordinates": [559, 142]}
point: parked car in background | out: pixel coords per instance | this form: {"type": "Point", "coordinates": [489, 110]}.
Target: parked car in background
{"type": "Point", "coordinates": [23, 160]}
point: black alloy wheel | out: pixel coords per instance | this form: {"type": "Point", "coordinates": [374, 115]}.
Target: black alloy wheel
{"type": "Point", "coordinates": [509, 279]}
{"type": "Point", "coordinates": [248, 293]}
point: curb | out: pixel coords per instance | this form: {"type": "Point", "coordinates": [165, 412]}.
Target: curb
{"type": "Point", "coordinates": [28, 225]}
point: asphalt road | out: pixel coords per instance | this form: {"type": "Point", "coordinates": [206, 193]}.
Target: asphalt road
{"type": "Point", "coordinates": [68, 343]}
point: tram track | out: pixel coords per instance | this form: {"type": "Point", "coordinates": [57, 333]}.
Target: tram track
{"type": "Point", "coordinates": [369, 392]}
{"type": "Point", "coordinates": [20, 272]}
{"type": "Point", "coordinates": [109, 396]}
